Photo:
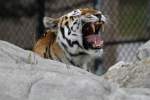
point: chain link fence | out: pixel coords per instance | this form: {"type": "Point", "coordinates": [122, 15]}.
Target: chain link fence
{"type": "Point", "coordinates": [128, 23]}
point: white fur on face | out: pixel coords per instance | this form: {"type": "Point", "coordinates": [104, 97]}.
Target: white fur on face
{"type": "Point", "coordinates": [74, 13]}
{"type": "Point", "coordinates": [73, 36]}
{"type": "Point", "coordinates": [103, 18]}
{"type": "Point", "coordinates": [89, 18]}
{"type": "Point", "coordinates": [76, 33]}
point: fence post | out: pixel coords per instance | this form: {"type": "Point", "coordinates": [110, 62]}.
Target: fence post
{"type": "Point", "coordinates": [40, 15]}
{"type": "Point", "coordinates": [110, 8]}
{"type": "Point", "coordinates": [148, 18]}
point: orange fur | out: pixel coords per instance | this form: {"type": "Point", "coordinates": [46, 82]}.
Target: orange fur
{"type": "Point", "coordinates": [60, 46]}
{"type": "Point", "coordinates": [48, 41]}
{"type": "Point", "coordinates": [87, 11]}
{"type": "Point", "coordinates": [57, 51]}
{"type": "Point", "coordinates": [44, 42]}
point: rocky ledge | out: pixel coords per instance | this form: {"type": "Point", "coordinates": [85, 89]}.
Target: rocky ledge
{"type": "Point", "coordinates": [26, 76]}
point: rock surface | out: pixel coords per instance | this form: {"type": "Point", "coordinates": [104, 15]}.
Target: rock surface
{"type": "Point", "coordinates": [144, 51]}
{"type": "Point", "coordinates": [26, 76]}
{"type": "Point", "coordinates": [135, 74]}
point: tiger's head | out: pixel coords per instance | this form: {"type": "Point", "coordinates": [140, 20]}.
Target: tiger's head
{"type": "Point", "coordinates": [79, 32]}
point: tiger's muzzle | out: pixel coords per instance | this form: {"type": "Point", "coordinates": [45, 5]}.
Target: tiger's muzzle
{"type": "Point", "coordinates": [91, 35]}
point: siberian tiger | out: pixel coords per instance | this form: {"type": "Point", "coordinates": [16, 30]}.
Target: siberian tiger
{"type": "Point", "coordinates": [75, 38]}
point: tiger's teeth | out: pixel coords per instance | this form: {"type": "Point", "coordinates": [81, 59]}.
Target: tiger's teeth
{"type": "Point", "coordinates": [93, 27]}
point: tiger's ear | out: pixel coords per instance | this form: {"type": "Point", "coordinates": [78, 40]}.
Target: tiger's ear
{"type": "Point", "coordinates": [51, 23]}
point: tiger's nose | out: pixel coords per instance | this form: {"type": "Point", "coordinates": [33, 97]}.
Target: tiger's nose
{"type": "Point", "coordinates": [99, 16]}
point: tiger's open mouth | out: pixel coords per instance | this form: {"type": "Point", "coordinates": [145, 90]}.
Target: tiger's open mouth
{"type": "Point", "coordinates": [91, 36]}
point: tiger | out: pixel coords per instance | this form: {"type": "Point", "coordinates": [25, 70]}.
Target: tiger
{"type": "Point", "coordinates": [74, 39]}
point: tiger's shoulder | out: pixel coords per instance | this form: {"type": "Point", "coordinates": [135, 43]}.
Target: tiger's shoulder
{"type": "Point", "coordinates": [44, 42]}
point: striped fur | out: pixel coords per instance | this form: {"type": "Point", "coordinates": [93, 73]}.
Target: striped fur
{"type": "Point", "coordinates": [70, 39]}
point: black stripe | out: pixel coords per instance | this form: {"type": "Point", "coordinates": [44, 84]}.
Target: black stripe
{"type": "Point", "coordinates": [71, 62]}
{"type": "Point", "coordinates": [64, 45]}
{"type": "Point", "coordinates": [47, 54]}
{"type": "Point", "coordinates": [71, 54]}
{"type": "Point", "coordinates": [62, 21]}
{"type": "Point", "coordinates": [76, 27]}
{"type": "Point", "coordinates": [75, 22]}
{"type": "Point", "coordinates": [69, 41]}
{"type": "Point", "coordinates": [72, 18]}
{"type": "Point", "coordinates": [59, 59]}
{"type": "Point", "coordinates": [69, 31]}
{"type": "Point", "coordinates": [66, 17]}
{"type": "Point", "coordinates": [62, 31]}
{"type": "Point", "coordinates": [78, 54]}
{"type": "Point", "coordinates": [100, 16]}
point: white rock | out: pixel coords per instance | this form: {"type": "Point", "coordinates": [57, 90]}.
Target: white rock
{"type": "Point", "coordinates": [118, 65]}
{"type": "Point", "coordinates": [135, 74]}
{"type": "Point", "coordinates": [26, 76]}
{"type": "Point", "coordinates": [144, 51]}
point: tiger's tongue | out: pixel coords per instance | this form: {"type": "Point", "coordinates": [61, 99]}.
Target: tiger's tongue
{"type": "Point", "coordinates": [95, 40]}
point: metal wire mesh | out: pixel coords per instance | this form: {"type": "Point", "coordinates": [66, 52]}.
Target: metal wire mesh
{"type": "Point", "coordinates": [128, 23]}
